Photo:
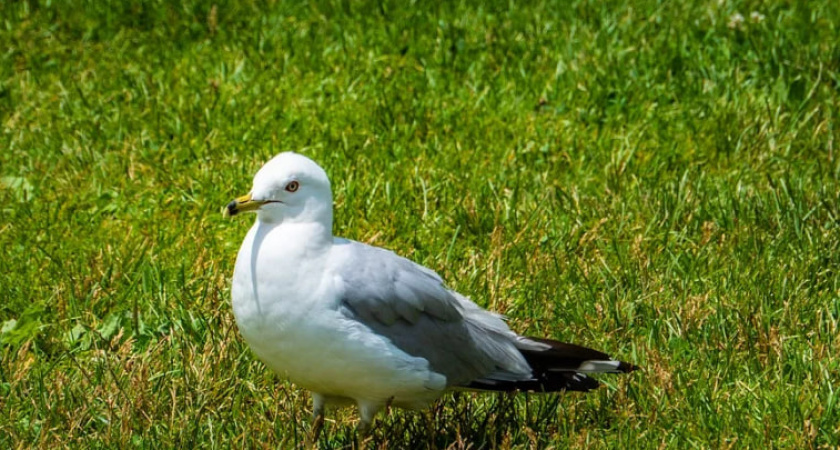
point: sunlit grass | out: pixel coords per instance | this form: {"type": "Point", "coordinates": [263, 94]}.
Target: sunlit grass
{"type": "Point", "coordinates": [656, 180]}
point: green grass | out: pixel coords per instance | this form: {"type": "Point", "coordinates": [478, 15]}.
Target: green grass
{"type": "Point", "coordinates": [651, 179]}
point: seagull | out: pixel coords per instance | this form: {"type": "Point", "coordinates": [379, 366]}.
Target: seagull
{"type": "Point", "coordinates": [358, 324]}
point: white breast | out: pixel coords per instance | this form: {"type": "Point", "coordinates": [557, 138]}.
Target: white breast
{"type": "Point", "coordinates": [286, 307]}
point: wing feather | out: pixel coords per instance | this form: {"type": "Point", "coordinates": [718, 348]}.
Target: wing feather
{"type": "Point", "coordinates": [409, 305]}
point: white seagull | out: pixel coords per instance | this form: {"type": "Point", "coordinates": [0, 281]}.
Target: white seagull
{"type": "Point", "coordinates": [353, 323]}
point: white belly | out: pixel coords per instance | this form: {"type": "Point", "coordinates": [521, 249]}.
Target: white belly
{"type": "Point", "coordinates": [306, 338]}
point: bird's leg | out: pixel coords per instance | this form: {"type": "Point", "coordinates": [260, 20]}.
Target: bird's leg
{"type": "Point", "coordinates": [368, 411]}
{"type": "Point", "coordinates": [318, 402]}
{"type": "Point", "coordinates": [364, 428]}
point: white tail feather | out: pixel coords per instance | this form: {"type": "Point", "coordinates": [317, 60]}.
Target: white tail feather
{"type": "Point", "coordinates": [596, 366]}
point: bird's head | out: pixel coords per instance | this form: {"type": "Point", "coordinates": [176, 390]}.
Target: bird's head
{"type": "Point", "coordinates": [289, 188]}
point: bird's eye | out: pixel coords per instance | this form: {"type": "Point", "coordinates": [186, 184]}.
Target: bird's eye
{"type": "Point", "coordinates": [293, 186]}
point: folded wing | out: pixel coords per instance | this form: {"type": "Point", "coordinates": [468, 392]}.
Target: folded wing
{"type": "Point", "coordinates": [474, 348]}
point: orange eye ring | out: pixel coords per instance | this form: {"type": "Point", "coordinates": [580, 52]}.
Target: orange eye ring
{"type": "Point", "coordinates": [293, 186]}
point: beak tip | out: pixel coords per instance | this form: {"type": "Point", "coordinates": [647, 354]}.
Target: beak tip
{"type": "Point", "coordinates": [230, 210]}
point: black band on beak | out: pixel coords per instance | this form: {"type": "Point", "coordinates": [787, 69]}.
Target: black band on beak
{"type": "Point", "coordinates": [231, 209]}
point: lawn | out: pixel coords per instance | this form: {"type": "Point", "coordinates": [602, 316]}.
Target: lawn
{"type": "Point", "coordinates": [658, 180]}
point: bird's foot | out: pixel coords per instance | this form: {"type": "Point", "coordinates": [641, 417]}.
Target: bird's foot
{"type": "Point", "coordinates": [318, 403]}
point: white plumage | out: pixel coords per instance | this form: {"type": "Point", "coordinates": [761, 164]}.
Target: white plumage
{"type": "Point", "coordinates": [358, 324]}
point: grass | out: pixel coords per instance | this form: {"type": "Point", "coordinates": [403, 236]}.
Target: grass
{"type": "Point", "coordinates": [654, 179]}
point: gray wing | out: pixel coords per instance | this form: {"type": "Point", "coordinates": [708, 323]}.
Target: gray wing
{"type": "Point", "coordinates": [409, 304]}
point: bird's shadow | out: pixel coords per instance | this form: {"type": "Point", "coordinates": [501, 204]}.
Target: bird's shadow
{"type": "Point", "coordinates": [471, 420]}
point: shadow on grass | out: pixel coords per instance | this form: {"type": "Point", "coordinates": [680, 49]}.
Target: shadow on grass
{"type": "Point", "coordinates": [476, 420]}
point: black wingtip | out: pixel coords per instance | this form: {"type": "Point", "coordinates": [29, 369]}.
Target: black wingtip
{"type": "Point", "coordinates": [559, 367]}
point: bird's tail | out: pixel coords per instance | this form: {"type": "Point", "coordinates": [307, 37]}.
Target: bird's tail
{"type": "Point", "coordinates": [557, 366]}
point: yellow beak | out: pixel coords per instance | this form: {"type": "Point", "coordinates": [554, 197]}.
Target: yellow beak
{"type": "Point", "coordinates": [240, 205]}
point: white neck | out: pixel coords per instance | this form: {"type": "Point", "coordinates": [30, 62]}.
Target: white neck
{"type": "Point", "coordinates": [312, 233]}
